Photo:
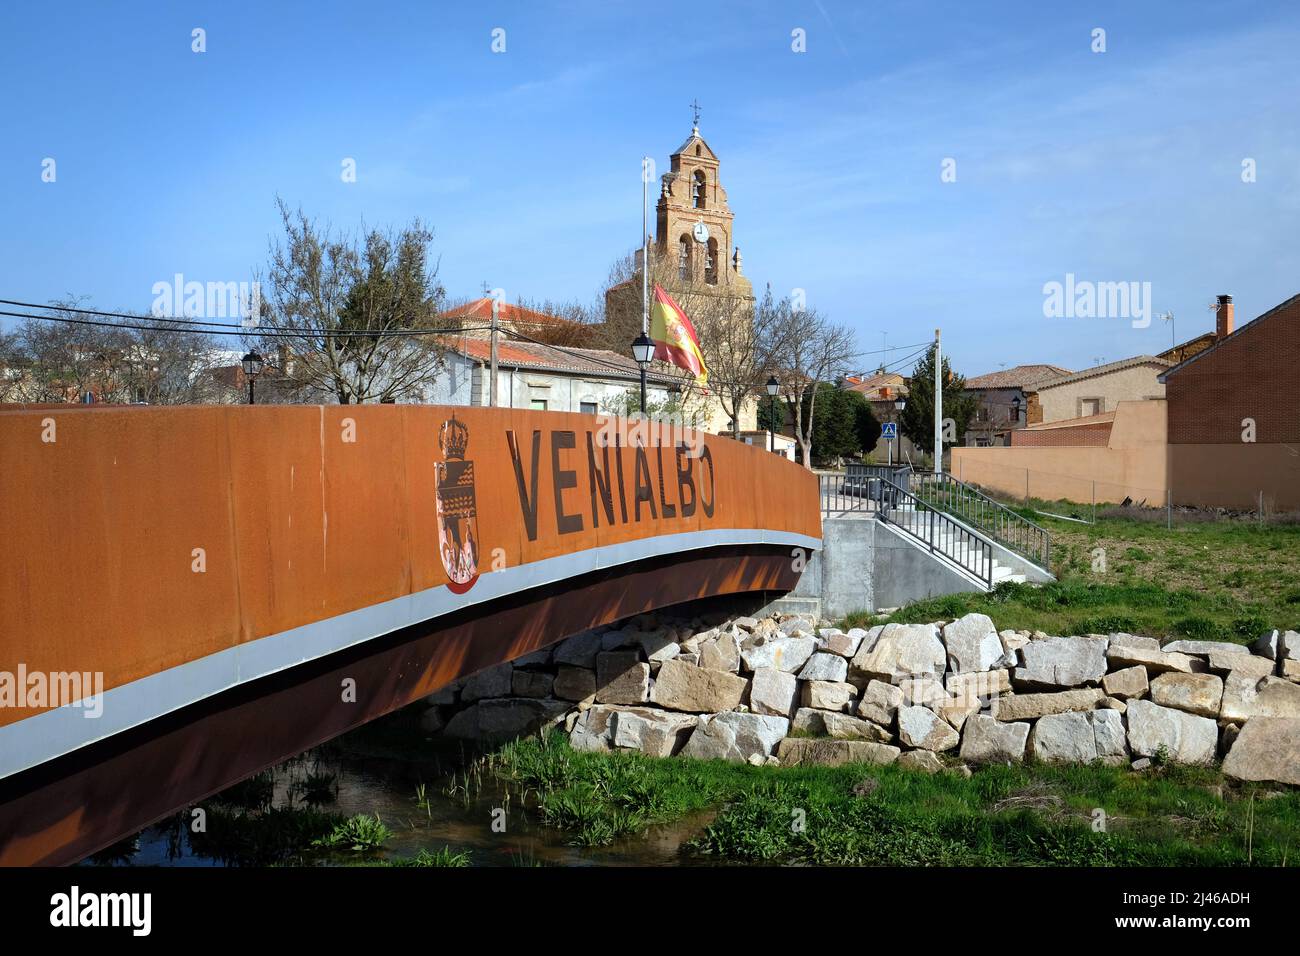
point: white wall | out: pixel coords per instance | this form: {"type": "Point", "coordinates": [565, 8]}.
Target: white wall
{"type": "Point", "coordinates": [517, 388]}
{"type": "Point", "coordinates": [464, 382]}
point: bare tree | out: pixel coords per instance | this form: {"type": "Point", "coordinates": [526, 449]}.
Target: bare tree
{"type": "Point", "coordinates": [66, 359]}
{"type": "Point", "coordinates": [62, 357]}
{"type": "Point", "coordinates": [812, 349]}
{"type": "Point", "coordinates": [342, 309]}
{"type": "Point", "coordinates": [735, 340]}
{"type": "Point", "coordinates": [13, 368]}
{"type": "Point", "coordinates": [168, 364]}
{"type": "Point", "coordinates": [564, 324]}
{"type": "Point", "coordinates": [742, 348]}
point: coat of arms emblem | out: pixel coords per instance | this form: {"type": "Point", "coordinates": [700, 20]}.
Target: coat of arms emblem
{"type": "Point", "coordinates": [457, 511]}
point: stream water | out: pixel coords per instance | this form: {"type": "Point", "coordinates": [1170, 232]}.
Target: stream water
{"type": "Point", "coordinates": [385, 769]}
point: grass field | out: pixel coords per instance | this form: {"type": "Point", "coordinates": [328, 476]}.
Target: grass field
{"type": "Point", "coordinates": [1224, 579]}
{"type": "Point", "coordinates": [860, 815]}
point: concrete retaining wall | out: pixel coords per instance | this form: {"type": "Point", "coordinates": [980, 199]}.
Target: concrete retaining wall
{"type": "Point", "coordinates": [866, 564]}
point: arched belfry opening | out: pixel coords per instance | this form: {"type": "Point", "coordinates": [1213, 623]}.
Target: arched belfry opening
{"type": "Point", "coordinates": [694, 224]}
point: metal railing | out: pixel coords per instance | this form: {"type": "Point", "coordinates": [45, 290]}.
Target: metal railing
{"type": "Point", "coordinates": [869, 489]}
{"type": "Point", "coordinates": [841, 494]}
{"type": "Point", "coordinates": [968, 504]}
{"type": "Point", "coordinates": [896, 474]}
{"type": "Point", "coordinates": [863, 488]}
{"type": "Point", "coordinates": [944, 537]}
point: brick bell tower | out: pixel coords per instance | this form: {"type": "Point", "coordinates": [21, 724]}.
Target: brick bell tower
{"type": "Point", "coordinates": [694, 226]}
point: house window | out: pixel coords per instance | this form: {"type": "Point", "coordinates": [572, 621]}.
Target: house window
{"type": "Point", "coordinates": [588, 408]}
{"type": "Point", "coordinates": [697, 190]}
{"type": "Point", "coordinates": [538, 405]}
{"type": "Point", "coordinates": [684, 258]}
{"type": "Point", "coordinates": [1091, 406]}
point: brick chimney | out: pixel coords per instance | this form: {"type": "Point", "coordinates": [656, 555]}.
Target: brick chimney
{"type": "Point", "coordinates": [1223, 318]}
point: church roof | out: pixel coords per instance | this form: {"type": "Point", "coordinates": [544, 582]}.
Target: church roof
{"type": "Point", "coordinates": [695, 137]}
{"type": "Point", "coordinates": [481, 309]}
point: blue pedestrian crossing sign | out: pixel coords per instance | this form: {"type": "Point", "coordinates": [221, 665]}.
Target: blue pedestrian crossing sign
{"type": "Point", "coordinates": [889, 430]}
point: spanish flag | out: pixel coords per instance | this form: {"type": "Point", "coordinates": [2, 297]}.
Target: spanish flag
{"type": "Point", "coordinates": [674, 336]}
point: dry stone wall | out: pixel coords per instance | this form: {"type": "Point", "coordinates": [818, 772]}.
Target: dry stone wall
{"type": "Point", "coordinates": [786, 690]}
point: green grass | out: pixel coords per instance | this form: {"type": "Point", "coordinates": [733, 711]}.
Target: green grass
{"type": "Point", "coordinates": [359, 832]}
{"type": "Point", "coordinates": [1078, 606]}
{"type": "Point", "coordinates": [600, 798]}
{"type": "Point", "coordinates": [857, 815]}
{"type": "Point", "coordinates": [446, 857]}
{"type": "Point", "coordinates": [1226, 579]}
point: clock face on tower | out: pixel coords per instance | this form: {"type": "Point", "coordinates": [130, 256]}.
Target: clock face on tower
{"type": "Point", "coordinates": [700, 232]}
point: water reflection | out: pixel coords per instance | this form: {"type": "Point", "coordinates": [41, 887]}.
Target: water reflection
{"type": "Point", "coordinates": [390, 769]}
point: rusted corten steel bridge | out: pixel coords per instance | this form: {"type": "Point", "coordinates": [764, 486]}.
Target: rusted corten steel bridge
{"type": "Point", "coordinates": [248, 582]}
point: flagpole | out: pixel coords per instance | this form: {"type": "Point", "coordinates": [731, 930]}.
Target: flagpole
{"type": "Point", "coordinates": [645, 263]}
{"type": "Point", "coordinates": [938, 406]}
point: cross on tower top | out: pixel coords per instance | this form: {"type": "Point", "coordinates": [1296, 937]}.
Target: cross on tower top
{"type": "Point", "coordinates": [695, 106]}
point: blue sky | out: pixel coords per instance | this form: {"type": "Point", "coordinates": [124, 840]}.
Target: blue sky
{"type": "Point", "coordinates": [1115, 166]}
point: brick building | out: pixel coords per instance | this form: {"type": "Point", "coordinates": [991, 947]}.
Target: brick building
{"type": "Point", "coordinates": [1003, 401]}
{"type": "Point", "coordinates": [1234, 414]}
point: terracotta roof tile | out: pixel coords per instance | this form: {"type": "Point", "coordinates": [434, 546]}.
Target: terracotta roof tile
{"type": "Point", "coordinates": [481, 309]}
{"type": "Point", "coordinates": [1021, 376]}
{"type": "Point", "coordinates": [596, 362]}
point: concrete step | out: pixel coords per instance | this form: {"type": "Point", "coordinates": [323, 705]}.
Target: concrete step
{"type": "Point", "coordinates": [952, 543]}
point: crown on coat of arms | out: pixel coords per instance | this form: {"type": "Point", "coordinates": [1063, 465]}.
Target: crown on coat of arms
{"type": "Point", "coordinates": [453, 439]}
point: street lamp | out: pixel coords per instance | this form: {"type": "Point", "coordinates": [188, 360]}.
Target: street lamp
{"type": "Point", "coordinates": [643, 350]}
{"type": "Point", "coordinates": [772, 386]}
{"type": "Point", "coordinates": [252, 363]}
{"type": "Point", "coordinates": [899, 404]}
{"type": "Point", "coordinates": [1015, 409]}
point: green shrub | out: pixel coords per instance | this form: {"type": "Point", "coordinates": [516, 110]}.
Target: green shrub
{"type": "Point", "coordinates": [360, 832]}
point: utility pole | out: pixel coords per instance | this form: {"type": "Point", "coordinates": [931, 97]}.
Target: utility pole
{"type": "Point", "coordinates": [938, 404]}
{"type": "Point", "coordinates": [492, 378]}
{"type": "Point", "coordinates": [645, 258]}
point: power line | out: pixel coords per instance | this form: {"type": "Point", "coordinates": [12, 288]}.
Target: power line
{"type": "Point", "coordinates": [900, 363]}
{"type": "Point", "coordinates": [197, 326]}
{"type": "Point", "coordinates": [186, 325]}
{"type": "Point", "coordinates": [122, 315]}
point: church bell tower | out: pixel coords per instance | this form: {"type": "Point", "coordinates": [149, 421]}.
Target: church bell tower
{"type": "Point", "coordinates": [693, 224]}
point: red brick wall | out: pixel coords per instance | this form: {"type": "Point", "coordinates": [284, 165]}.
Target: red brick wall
{"type": "Point", "coordinates": [1254, 375]}
{"type": "Point", "coordinates": [1095, 434]}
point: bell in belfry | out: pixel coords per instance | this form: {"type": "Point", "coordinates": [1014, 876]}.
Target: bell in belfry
{"type": "Point", "coordinates": [457, 511]}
